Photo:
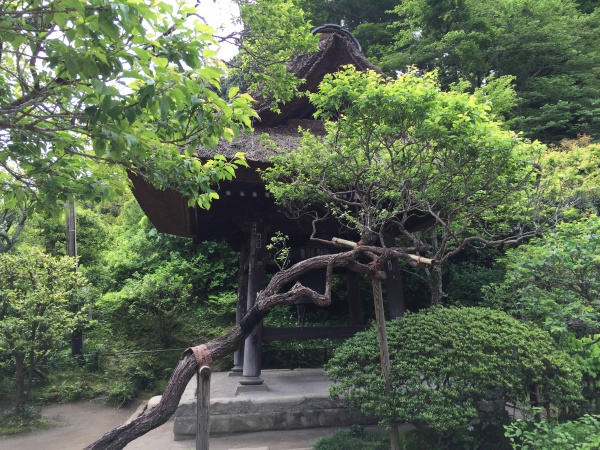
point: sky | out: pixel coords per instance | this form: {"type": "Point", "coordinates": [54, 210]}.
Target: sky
{"type": "Point", "coordinates": [218, 14]}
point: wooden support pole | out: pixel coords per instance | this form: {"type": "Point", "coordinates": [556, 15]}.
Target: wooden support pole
{"type": "Point", "coordinates": [71, 227]}
{"type": "Point", "coordinates": [242, 300]}
{"type": "Point", "coordinates": [203, 408]}
{"type": "Point", "coordinates": [355, 310]}
{"type": "Point", "coordinates": [393, 284]}
{"type": "Point", "coordinates": [256, 282]}
{"type": "Point", "coordinates": [384, 353]}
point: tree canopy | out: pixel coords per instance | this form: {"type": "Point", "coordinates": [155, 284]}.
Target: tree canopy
{"type": "Point", "coordinates": [550, 47]}
{"type": "Point", "coordinates": [41, 302]}
{"type": "Point", "coordinates": [554, 280]}
{"type": "Point", "coordinates": [401, 155]}
{"type": "Point", "coordinates": [547, 48]}
{"type": "Point", "coordinates": [91, 89]}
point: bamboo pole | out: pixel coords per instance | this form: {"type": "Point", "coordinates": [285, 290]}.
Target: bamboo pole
{"type": "Point", "coordinates": [416, 258]}
{"type": "Point", "coordinates": [202, 408]}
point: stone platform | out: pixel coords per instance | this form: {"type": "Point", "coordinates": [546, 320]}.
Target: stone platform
{"type": "Point", "coordinates": [295, 399]}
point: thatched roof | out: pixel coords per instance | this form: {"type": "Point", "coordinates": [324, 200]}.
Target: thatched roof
{"type": "Point", "coordinates": [245, 196]}
{"type": "Point", "coordinates": [337, 48]}
{"type": "Point", "coordinates": [265, 142]}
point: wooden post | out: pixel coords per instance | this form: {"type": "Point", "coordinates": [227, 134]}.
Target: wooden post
{"type": "Point", "coordinates": [71, 227]}
{"type": "Point", "coordinates": [256, 282]}
{"type": "Point", "coordinates": [71, 233]}
{"type": "Point", "coordinates": [393, 284]}
{"type": "Point", "coordinates": [242, 299]}
{"type": "Point", "coordinates": [384, 353]}
{"type": "Point", "coordinates": [353, 292]}
{"type": "Point", "coordinates": [203, 408]}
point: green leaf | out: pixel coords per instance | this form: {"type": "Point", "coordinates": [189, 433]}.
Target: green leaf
{"type": "Point", "coordinates": [164, 106]}
{"type": "Point", "coordinates": [108, 26]}
{"type": "Point", "coordinates": [233, 92]}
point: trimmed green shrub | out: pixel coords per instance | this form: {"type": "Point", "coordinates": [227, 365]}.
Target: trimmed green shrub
{"type": "Point", "coordinates": [450, 366]}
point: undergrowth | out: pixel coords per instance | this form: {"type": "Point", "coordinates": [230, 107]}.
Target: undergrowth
{"type": "Point", "coordinates": [27, 419]}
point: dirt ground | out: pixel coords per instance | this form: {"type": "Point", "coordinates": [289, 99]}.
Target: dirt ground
{"type": "Point", "coordinates": [79, 424]}
{"type": "Point", "coordinates": [76, 425]}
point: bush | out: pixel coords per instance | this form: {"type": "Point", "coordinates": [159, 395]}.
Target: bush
{"type": "Point", "coordinates": [356, 438]}
{"type": "Point", "coordinates": [26, 419]}
{"type": "Point", "coordinates": [581, 434]}
{"type": "Point", "coordinates": [41, 302]}
{"type": "Point", "coordinates": [450, 366]}
{"type": "Point", "coordinates": [121, 393]}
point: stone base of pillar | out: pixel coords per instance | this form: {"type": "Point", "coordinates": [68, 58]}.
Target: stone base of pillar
{"type": "Point", "coordinates": [244, 388]}
{"type": "Point", "coordinates": [251, 380]}
{"type": "Point", "coordinates": [236, 371]}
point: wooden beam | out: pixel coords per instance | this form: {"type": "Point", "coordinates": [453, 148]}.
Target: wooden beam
{"type": "Point", "coordinates": [306, 333]}
{"type": "Point", "coordinates": [355, 310]}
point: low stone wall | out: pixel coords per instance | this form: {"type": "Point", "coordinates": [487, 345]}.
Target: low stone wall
{"type": "Point", "coordinates": [236, 415]}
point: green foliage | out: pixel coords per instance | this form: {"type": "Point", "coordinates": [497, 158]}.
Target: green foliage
{"type": "Point", "coordinates": [152, 305]}
{"type": "Point", "coordinates": [12, 222]}
{"type": "Point", "coordinates": [548, 46]}
{"type": "Point", "coordinates": [356, 437]}
{"type": "Point", "coordinates": [139, 249]}
{"type": "Point", "coordinates": [571, 176]}
{"type": "Point", "coordinates": [467, 275]}
{"type": "Point", "coordinates": [350, 13]}
{"type": "Point", "coordinates": [92, 88]}
{"type": "Point", "coordinates": [278, 246]}
{"type": "Point", "coordinates": [155, 292]}
{"type": "Point", "coordinates": [161, 293]}
{"type": "Point", "coordinates": [275, 32]}
{"type": "Point", "coordinates": [42, 300]}
{"type": "Point", "coordinates": [497, 92]}
{"type": "Point", "coordinates": [27, 419]}
{"type": "Point", "coordinates": [406, 146]}
{"type": "Point", "coordinates": [122, 392]}
{"type": "Point", "coordinates": [449, 366]}
{"type": "Point", "coordinates": [546, 434]}
{"type": "Point", "coordinates": [554, 280]}
{"type": "Point", "coordinates": [47, 233]}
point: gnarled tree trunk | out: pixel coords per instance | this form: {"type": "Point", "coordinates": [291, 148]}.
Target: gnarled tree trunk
{"type": "Point", "coordinates": [266, 300]}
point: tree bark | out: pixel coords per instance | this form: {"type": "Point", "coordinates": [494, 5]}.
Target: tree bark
{"type": "Point", "coordinates": [384, 354]}
{"type": "Point", "coordinates": [435, 285]}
